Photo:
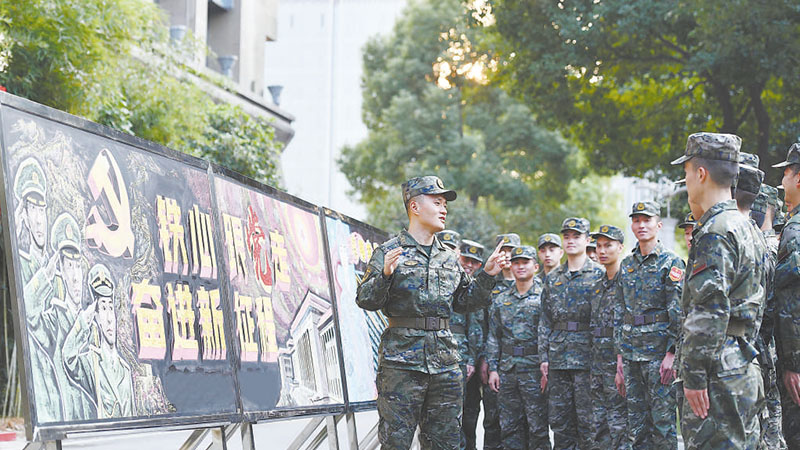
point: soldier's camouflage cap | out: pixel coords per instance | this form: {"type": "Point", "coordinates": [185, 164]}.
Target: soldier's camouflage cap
{"type": "Point", "coordinates": [749, 179]}
{"type": "Point", "coordinates": [549, 238]}
{"type": "Point", "coordinates": [100, 281]}
{"type": "Point", "coordinates": [578, 224]}
{"type": "Point", "coordinates": [66, 235]}
{"type": "Point", "coordinates": [779, 221]}
{"type": "Point", "coordinates": [645, 208]}
{"type": "Point", "coordinates": [449, 238]}
{"type": "Point", "coordinates": [30, 182]}
{"type": "Point", "coordinates": [428, 185]}
{"type": "Point", "coordinates": [688, 221]}
{"type": "Point", "coordinates": [524, 251]}
{"type": "Point", "coordinates": [472, 249]}
{"type": "Point", "coordinates": [749, 159]}
{"type": "Point", "coordinates": [719, 146]}
{"type": "Point", "coordinates": [592, 242]}
{"type": "Point", "coordinates": [509, 240]}
{"type": "Point", "coordinates": [792, 156]}
{"type": "Point", "coordinates": [611, 232]}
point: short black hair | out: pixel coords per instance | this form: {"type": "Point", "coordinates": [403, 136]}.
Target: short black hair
{"type": "Point", "coordinates": [722, 173]}
{"type": "Point", "coordinates": [795, 168]}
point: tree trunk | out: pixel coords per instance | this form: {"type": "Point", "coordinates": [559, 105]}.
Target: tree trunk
{"type": "Point", "coordinates": [723, 96]}
{"type": "Point", "coordinates": [762, 119]}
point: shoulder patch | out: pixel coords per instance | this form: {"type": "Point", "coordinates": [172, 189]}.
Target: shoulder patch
{"type": "Point", "coordinates": [675, 274]}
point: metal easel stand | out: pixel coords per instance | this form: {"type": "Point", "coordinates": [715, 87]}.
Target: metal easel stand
{"type": "Point", "coordinates": [46, 445]}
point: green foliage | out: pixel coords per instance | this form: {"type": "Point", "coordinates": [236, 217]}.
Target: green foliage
{"type": "Point", "coordinates": [113, 63]}
{"type": "Point", "coordinates": [429, 111]}
{"type": "Point", "coordinates": [629, 80]}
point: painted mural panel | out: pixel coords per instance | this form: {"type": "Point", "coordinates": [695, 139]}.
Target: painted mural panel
{"type": "Point", "coordinates": [116, 276]}
{"type": "Point", "coordinates": [350, 245]}
{"type": "Point", "coordinates": [285, 329]}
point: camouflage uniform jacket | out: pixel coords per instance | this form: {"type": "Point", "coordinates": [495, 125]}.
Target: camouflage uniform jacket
{"type": "Point", "coordinates": [649, 284]}
{"type": "Point", "coordinates": [787, 293]}
{"type": "Point", "coordinates": [725, 283]}
{"type": "Point", "coordinates": [605, 315]}
{"type": "Point", "coordinates": [421, 286]}
{"type": "Point", "coordinates": [476, 335]}
{"type": "Point", "coordinates": [458, 321]}
{"type": "Point", "coordinates": [514, 321]}
{"type": "Point", "coordinates": [567, 297]}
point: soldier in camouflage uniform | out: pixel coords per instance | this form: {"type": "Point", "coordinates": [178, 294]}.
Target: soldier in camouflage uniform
{"type": "Point", "coordinates": [565, 339]}
{"type": "Point", "coordinates": [610, 412]}
{"type": "Point", "coordinates": [787, 300]}
{"type": "Point", "coordinates": [491, 410]}
{"type": "Point", "coordinates": [722, 304]}
{"type": "Point", "coordinates": [688, 226]}
{"type": "Point", "coordinates": [748, 188]}
{"type": "Point", "coordinates": [471, 260]}
{"type": "Point", "coordinates": [649, 287]}
{"type": "Point", "coordinates": [550, 253]}
{"type": "Point", "coordinates": [591, 250]}
{"type": "Point", "coordinates": [513, 357]}
{"type": "Point", "coordinates": [417, 282]}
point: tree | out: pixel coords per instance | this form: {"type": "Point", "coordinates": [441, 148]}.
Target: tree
{"type": "Point", "coordinates": [629, 80]}
{"type": "Point", "coordinates": [429, 111]}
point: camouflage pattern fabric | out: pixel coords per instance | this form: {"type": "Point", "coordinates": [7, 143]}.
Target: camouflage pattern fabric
{"type": "Point", "coordinates": [421, 286]}
{"type": "Point", "coordinates": [472, 409]}
{"type": "Point", "coordinates": [610, 414]}
{"type": "Point", "coordinates": [407, 398]}
{"type": "Point", "coordinates": [491, 408]}
{"type": "Point", "coordinates": [569, 411]}
{"type": "Point", "coordinates": [787, 330]}
{"type": "Point", "coordinates": [650, 405]}
{"type": "Point", "coordinates": [725, 285]}
{"type": "Point", "coordinates": [567, 297]}
{"type": "Point", "coordinates": [523, 407]}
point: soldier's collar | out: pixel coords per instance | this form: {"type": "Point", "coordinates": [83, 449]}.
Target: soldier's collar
{"type": "Point", "coordinates": [793, 212]}
{"type": "Point", "coordinates": [657, 250]}
{"type": "Point", "coordinates": [713, 211]}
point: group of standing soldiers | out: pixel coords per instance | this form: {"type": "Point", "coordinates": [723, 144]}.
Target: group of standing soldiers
{"type": "Point", "coordinates": [610, 351]}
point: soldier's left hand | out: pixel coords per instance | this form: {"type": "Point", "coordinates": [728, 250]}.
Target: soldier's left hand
{"type": "Point", "coordinates": [496, 261]}
{"type": "Point", "coordinates": [791, 380]}
{"type": "Point", "coordinates": [698, 400]}
{"type": "Point", "coordinates": [667, 374]}
{"type": "Point", "coordinates": [494, 381]}
{"type": "Point", "coordinates": [619, 381]}
{"type": "Point", "coordinates": [50, 268]}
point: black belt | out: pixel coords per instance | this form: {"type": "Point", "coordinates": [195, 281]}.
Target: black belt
{"type": "Point", "coordinates": [420, 323]}
{"type": "Point", "coordinates": [603, 331]}
{"type": "Point", "coordinates": [736, 327]}
{"type": "Point", "coordinates": [458, 329]}
{"type": "Point", "coordinates": [646, 319]}
{"type": "Point", "coordinates": [519, 350]}
{"type": "Point", "coordinates": [571, 326]}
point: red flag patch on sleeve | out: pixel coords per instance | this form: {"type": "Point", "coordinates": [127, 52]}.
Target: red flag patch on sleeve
{"type": "Point", "coordinates": [675, 274]}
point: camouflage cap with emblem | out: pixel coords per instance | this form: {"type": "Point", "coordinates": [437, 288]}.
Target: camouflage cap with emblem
{"type": "Point", "coordinates": [509, 240]}
{"type": "Point", "coordinates": [779, 221]}
{"type": "Point", "coordinates": [749, 159]}
{"type": "Point", "coordinates": [523, 251]}
{"type": "Point", "coordinates": [549, 238]}
{"type": "Point", "coordinates": [792, 156]}
{"type": "Point", "coordinates": [30, 183]}
{"type": "Point", "coordinates": [610, 232]}
{"type": "Point", "coordinates": [749, 179]}
{"type": "Point", "coordinates": [65, 236]}
{"type": "Point", "coordinates": [718, 146]}
{"type": "Point", "coordinates": [765, 199]}
{"type": "Point", "coordinates": [688, 221]}
{"type": "Point", "coordinates": [100, 281]}
{"type": "Point", "coordinates": [648, 208]}
{"type": "Point", "coordinates": [449, 238]}
{"type": "Point", "coordinates": [472, 249]}
{"type": "Point", "coordinates": [427, 185]}
{"type": "Point", "coordinates": [592, 243]}
{"type": "Point", "coordinates": [578, 224]}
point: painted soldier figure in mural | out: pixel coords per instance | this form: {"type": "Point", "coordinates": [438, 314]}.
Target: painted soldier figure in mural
{"type": "Point", "coordinates": [471, 259]}
{"type": "Point", "coordinates": [417, 282]}
{"type": "Point", "coordinates": [565, 339]}
{"type": "Point", "coordinates": [722, 304]}
{"type": "Point", "coordinates": [787, 299]}
{"type": "Point", "coordinates": [90, 350]}
{"type": "Point", "coordinates": [650, 283]}
{"type": "Point", "coordinates": [610, 412]}
{"type": "Point", "coordinates": [513, 356]}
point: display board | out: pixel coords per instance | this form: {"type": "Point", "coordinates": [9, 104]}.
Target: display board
{"type": "Point", "coordinates": [350, 246]}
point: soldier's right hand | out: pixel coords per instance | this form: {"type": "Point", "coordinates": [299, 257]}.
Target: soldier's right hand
{"type": "Point", "coordinates": [50, 268]}
{"type": "Point", "coordinates": [391, 260]}
{"type": "Point", "coordinates": [791, 380]}
{"type": "Point", "coordinates": [545, 369]}
{"type": "Point", "coordinates": [89, 313]}
{"type": "Point", "coordinates": [494, 381]}
{"type": "Point", "coordinates": [19, 216]}
{"type": "Point", "coordinates": [619, 380]}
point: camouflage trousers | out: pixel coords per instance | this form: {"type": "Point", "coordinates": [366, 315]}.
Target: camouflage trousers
{"type": "Point", "coordinates": [610, 415]}
{"type": "Point", "coordinates": [472, 408]}
{"type": "Point", "coordinates": [651, 406]}
{"type": "Point", "coordinates": [732, 422]}
{"type": "Point", "coordinates": [407, 398]}
{"type": "Point", "coordinates": [570, 408]}
{"type": "Point", "coordinates": [523, 410]}
{"type": "Point", "coordinates": [771, 417]}
{"type": "Point", "coordinates": [491, 420]}
{"type": "Point", "coordinates": [791, 418]}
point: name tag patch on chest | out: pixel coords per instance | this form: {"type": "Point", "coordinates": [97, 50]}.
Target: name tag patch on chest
{"type": "Point", "coordinates": [410, 262]}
